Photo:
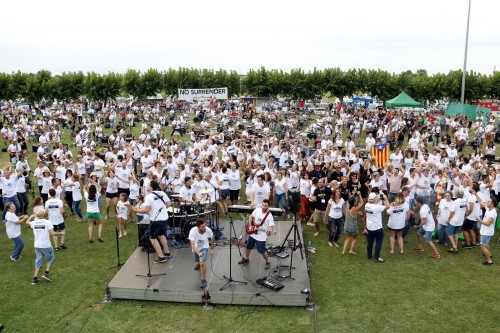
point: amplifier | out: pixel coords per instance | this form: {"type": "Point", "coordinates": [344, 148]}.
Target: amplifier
{"type": "Point", "coordinates": [143, 232]}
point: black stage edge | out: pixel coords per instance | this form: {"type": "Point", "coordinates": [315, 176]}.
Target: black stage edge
{"type": "Point", "coordinates": [181, 282]}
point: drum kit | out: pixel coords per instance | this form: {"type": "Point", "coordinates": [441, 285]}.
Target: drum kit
{"type": "Point", "coordinates": [183, 217]}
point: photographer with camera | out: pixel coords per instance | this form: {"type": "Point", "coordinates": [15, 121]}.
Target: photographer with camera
{"type": "Point", "coordinates": [374, 224]}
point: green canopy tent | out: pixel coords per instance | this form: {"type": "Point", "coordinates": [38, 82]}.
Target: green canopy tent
{"type": "Point", "coordinates": [468, 110]}
{"type": "Point", "coordinates": [403, 100]}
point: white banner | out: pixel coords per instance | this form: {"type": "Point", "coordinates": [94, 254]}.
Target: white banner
{"type": "Point", "coordinates": [191, 94]}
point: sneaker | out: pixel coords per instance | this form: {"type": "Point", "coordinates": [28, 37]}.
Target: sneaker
{"type": "Point", "coordinates": [120, 235]}
{"type": "Point", "coordinates": [46, 276]}
{"type": "Point", "coordinates": [124, 233]}
{"type": "Point", "coordinates": [15, 259]}
{"type": "Point", "coordinates": [287, 216]}
{"type": "Point", "coordinates": [100, 240]}
{"type": "Point", "coordinates": [310, 224]}
{"type": "Point", "coordinates": [91, 241]}
{"type": "Point", "coordinates": [316, 233]}
{"type": "Point", "coordinates": [467, 246]}
{"type": "Point", "coordinates": [487, 263]}
{"type": "Point", "coordinates": [197, 267]}
{"type": "Point", "coordinates": [452, 250]}
{"type": "Point", "coordinates": [379, 260]}
{"type": "Point", "coordinates": [268, 265]}
{"type": "Point", "coordinates": [203, 284]}
{"type": "Point", "coordinates": [311, 249]}
{"type": "Point", "coordinates": [436, 256]}
{"type": "Point", "coordinates": [63, 246]}
{"type": "Point", "coordinates": [35, 281]}
{"type": "Point", "coordinates": [419, 248]}
{"type": "Point", "coordinates": [167, 256]}
{"type": "Point", "coordinates": [160, 260]}
{"type": "Point", "coordinates": [243, 261]}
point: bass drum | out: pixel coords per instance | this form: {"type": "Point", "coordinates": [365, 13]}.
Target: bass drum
{"type": "Point", "coordinates": [187, 226]}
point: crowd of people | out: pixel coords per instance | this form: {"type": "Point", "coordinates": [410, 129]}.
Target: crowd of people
{"type": "Point", "coordinates": [264, 156]}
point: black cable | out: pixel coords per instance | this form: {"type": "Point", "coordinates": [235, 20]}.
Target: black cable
{"type": "Point", "coordinates": [88, 317]}
{"type": "Point", "coordinates": [74, 308]}
{"type": "Point", "coordinates": [247, 313]}
{"type": "Point", "coordinates": [308, 260]}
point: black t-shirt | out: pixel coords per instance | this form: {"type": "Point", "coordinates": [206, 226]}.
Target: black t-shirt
{"type": "Point", "coordinates": [344, 193]}
{"type": "Point", "coordinates": [322, 197]}
{"type": "Point", "coordinates": [336, 176]}
{"type": "Point", "coordinates": [353, 187]}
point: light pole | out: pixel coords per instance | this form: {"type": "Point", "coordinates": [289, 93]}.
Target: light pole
{"type": "Point", "coordinates": [464, 73]}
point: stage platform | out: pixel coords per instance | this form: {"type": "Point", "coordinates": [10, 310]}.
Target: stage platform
{"type": "Point", "coordinates": [181, 283]}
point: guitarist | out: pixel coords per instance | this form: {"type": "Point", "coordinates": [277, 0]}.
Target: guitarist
{"type": "Point", "coordinates": [260, 226]}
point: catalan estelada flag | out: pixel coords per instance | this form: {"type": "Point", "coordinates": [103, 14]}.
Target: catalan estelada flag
{"type": "Point", "coordinates": [440, 187]}
{"type": "Point", "coordinates": [381, 154]}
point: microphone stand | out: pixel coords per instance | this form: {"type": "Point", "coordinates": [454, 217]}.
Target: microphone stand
{"type": "Point", "coordinates": [230, 278]}
{"type": "Point", "coordinates": [148, 275]}
{"type": "Point", "coordinates": [117, 250]}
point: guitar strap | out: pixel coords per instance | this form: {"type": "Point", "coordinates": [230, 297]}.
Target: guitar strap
{"type": "Point", "coordinates": [264, 219]}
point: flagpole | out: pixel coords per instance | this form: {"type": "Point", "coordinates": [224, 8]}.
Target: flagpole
{"type": "Point", "coordinates": [464, 72]}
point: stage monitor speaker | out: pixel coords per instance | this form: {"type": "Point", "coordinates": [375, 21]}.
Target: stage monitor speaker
{"type": "Point", "coordinates": [143, 229]}
{"type": "Point", "coordinates": [294, 200]}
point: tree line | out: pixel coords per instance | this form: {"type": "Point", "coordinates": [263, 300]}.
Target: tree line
{"type": "Point", "coordinates": [296, 84]}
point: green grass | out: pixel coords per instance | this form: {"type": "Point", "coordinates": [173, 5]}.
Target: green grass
{"type": "Point", "coordinates": [409, 292]}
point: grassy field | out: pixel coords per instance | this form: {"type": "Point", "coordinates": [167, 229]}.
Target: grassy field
{"type": "Point", "coordinates": [409, 292]}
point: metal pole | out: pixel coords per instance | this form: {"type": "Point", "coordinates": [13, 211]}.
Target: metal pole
{"type": "Point", "coordinates": [464, 73]}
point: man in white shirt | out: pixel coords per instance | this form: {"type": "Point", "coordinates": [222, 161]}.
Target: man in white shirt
{"type": "Point", "coordinates": [260, 192]}
{"type": "Point", "coordinates": [426, 228]}
{"type": "Point", "coordinates": [396, 158]}
{"type": "Point", "coordinates": [202, 243]}
{"type": "Point", "coordinates": [370, 141]}
{"type": "Point", "coordinates": [155, 205]}
{"type": "Point", "coordinates": [260, 226]}
{"type": "Point", "coordinates": [487, 228]}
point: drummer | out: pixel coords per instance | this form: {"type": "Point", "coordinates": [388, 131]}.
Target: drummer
{"type": "Point", "coordinates": [214, 195]}
{"type": "Point", "coordinates": [187, 192]}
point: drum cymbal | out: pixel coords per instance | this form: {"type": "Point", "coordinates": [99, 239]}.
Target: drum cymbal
{"type": "Point", "coordinates": [207, 191]}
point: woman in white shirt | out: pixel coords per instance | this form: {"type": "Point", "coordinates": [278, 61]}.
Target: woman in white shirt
{"type": "Point", "coordinates": [443, 216]}
{"type": "Point", "coordinates": [111, 191]}
{"type": "Point", "coordinates": [305, 185]}
{"type": "Point", "coordinates": [399, 213]}
{"type": "Point", "coordinates": [281, 192]}
{"type": "Point", "coordinates": [76, 192]}
{"type": "Point", "coordinates": [92, 190]}
{"type": "Point", "coordinates": [335, 211]}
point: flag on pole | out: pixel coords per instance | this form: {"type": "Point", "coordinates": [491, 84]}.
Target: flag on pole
{"type": "Point", "coordinates": [381, 154]}
{"type": "Point", "coordinates": [439, 188]}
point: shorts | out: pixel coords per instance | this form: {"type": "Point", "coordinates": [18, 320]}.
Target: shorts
{"type": "Point", "coordinates": [261, 245]}
{"type": "Point", "coordinates": [43, 253]}
{"type": "Point", "coordinates": [112, 195]}
{"type": "Point", "coordinates": [204, 257]}
{"type": "Point", "coordinates": [131, 202]}
{"type": "Point", "coordinates": [485, 240]}
{"type": "Point", "coordinates": [59, 227]}
{"type": "Point", "coordinates": [396, 230]}
{"type": "Point", "coordinates": [123, 190]}
{"type": "Point", "coordinates": [94, 216]}
{"type": "Point", "coordinates": [157, 228]}
{"type": "Point", "coordinates": [468, 225]}
{"type": "Point", "coordinates": [319, 216]}
{"type": "Point", "coordinates": [234, 195]}
{"type": "Point", "coordinates": [224, 193]}
{"type": "Point", "coordinates": [427, 234]}
{"type": "Point", "coordinates": [452, 230]}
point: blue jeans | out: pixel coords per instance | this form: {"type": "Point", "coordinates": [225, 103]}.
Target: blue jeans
{"type": "Point", "coordinates": [442, 237]}
{"type": "Point", "coordinates": [18, 247]}
{"type": "Point", "coordinates": [76, 208]}
{"type": "Point", "coordinates": [378, 237]}
{"type": "Point", "coordinates": [13, 199]}
{"type": "Point", "coordinates": [335, 228]}
{"type": "Point", "coordinates": [282, 198]}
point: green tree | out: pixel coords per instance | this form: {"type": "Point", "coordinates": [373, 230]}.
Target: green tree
{"type": "Point", "coordinates": [495, 84]}
{"type": "Point", "coordinates": [132, 83]}
{"type": "Point", "coordinates": [5, 86]}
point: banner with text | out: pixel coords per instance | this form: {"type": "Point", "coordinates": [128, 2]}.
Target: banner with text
{"type": "Point", "coordinates": [191, 94]}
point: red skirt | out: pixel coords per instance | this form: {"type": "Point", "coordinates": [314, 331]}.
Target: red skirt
{"type": "Point", "coordinates": [305, 210]}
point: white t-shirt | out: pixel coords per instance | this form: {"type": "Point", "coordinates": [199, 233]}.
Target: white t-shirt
{"type": "Point", "coordinates": [397, 216]}
{"type": "Point", "coordinates": [92, 205]}
{"type": "Point", "coordinates": [202, 241]}
{"type": "Point", "coordinates": [76, 191]}
{"type": "Point", "coordinates": [234, 180]}
{"type": "Point", "coordinates": [396, 159]}
{"type": "Point", "coordinates": [53, 206]}
{"type": "Point", "coordinates": [374, 216]}
{"type": "Point", "coordinates": [425, 212]}
{"type": "Point", "coordinates": [262, 229]}
{"type": "Point", "coordinates": [260, 193]}
{"type": "Point", "coordinates": [158, 210]}
{"type": "Point", "coordinates": [41, 230]}
{"type": "Point", "coordinates": [459, 207]}
{"type": "Point", "coordinates": [279, 186]}
{"type": "Point", "coordinates": [134, 190]}
{"type": "Point", "coordinates": [336, 209]}
{"type": "Point", "coordinates": [12, 227]}
{"type": "Point", "coordinates": [112, 185]}
{"type": "Point", "coordinates": [445, 208]}
{"type": "Point", "coordinates": [122, 208]}
{"type": "Point", "coordinates": [476, 211]}
{"type": "Point", "coordinates": [489, 230]}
